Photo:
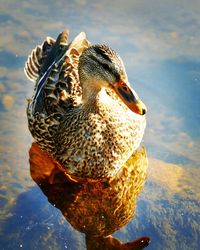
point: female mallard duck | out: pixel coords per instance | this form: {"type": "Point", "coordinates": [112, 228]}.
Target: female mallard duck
{"type": "Point", "coordinates": [83, 112]}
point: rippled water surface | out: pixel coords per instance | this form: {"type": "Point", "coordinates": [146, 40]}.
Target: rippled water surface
{"type": "Point", "coordinates": [159, 43]}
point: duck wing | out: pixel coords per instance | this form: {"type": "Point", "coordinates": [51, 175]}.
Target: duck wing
{"type": "Point", "coordinates": [53, 66]}
{"type": "Point", "coordinates": [63, 89]}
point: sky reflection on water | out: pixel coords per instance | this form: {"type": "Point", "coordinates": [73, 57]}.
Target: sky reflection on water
{"type": "Point", "coordinates": [159, 44]}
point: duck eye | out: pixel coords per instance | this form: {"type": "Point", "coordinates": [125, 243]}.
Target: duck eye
{"type": "Point", "coordinates": [105, 66]}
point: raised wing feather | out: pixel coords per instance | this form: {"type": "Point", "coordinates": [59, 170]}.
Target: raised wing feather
{"type": "Point", "coordinates": [36, 59]}
{"type": "Point", "coordinates": [54, 67]}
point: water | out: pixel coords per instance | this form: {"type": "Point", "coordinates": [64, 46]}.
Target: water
{"type": "Point", "coordinates": [159, 44]}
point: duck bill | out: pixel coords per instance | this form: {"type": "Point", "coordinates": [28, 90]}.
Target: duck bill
{"type": "Point", "coordinates": [130, 98]}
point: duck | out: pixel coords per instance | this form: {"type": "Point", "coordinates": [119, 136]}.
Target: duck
{"type": "Point", "coordinates": [83, 112]}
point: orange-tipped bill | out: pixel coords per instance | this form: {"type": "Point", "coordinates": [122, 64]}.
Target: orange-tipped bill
{"type": "Point", "coordinates": [130, 98]}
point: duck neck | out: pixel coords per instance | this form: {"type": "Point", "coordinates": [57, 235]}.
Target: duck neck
{"type": "Point", "coordinates": [91, 91]}
{"type": "Point", "coordinates": [90, 94]}
{"type": "Point", "coordinates": [94, 100]}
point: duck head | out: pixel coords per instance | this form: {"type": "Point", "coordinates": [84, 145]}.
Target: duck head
{"type": "Point", "coordinates": [100, 66]}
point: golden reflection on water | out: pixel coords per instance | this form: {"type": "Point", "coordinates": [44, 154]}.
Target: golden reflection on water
{"type": "Point", "coordinates": [97, 209]}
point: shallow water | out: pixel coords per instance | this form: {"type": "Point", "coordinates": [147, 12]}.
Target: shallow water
{"type": "Point", "coordinates": [159, 44]}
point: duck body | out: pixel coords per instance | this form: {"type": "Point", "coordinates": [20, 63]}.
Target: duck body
{"type": "Point", "coordinates": [87, 128]}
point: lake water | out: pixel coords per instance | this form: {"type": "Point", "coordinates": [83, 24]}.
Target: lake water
{"type": "Point", "coordinates": [159, 43]}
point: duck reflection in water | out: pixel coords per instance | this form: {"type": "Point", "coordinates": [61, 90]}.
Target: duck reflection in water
{"type": "Point", "coordinates": [96, 208]}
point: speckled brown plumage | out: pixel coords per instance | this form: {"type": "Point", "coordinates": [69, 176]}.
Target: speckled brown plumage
{"type": "Point", "coordinates": [85, 127]}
